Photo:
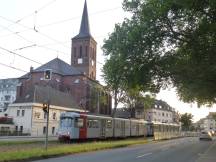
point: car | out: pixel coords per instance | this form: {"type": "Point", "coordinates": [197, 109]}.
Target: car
{"type": "Point", "coordinates": [205, 135]}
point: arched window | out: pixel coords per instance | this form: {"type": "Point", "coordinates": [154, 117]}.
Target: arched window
{"type": "Point", "coordinates": [92, 53]}
{"type": "Point", "coordinates": [80, 52]}
{"type": "Point", "coordinates": [74, 51]}
{"type": "Point", "coordinates": [86, 51]}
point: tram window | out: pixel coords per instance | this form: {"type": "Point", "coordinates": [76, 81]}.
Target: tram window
{"type": "Point", "coordinates": [92, 123]}
{"type": "Point", "coordinates": [66, 122]}
{"type": "Point", "coordinates": [95, 124]}
{"type": "Point", "coordinates": [79, 122]}
{"type": "Point", "coordinates": [159, 128]}
{"type": "Point", "coordinates": [109, 124]}
{"type": "Point", "coordinates": [89, 123]}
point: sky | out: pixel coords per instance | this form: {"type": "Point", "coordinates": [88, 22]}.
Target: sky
{"type": "Point", "coordinates": [42, 30]}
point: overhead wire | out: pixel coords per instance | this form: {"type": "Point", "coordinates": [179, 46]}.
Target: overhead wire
{"type": "Point", "coordinates": [62, 21]}
{"type": "Point", "coordinates": [12, 67]}
{"type": "Point", "coordinates": [9, 51]}
{"type": "Point", "coordinates": [31, 14]}
{"type": "Point", "coordinates": [29, 28]}
{"type": "Point", "coordinates": [36, 31]}
{"type": "Point", "coordinates": [41, 46]}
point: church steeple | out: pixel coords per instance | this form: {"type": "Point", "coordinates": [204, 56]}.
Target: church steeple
{"type": "Point", "coordinates": [84, 47]}
{"type": "Point", "coordinates": [84, 26]}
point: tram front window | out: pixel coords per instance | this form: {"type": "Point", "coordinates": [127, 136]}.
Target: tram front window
{"type": "Point", "coordinates": [66, 122]}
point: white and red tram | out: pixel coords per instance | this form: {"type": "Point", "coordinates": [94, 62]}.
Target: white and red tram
{"type": "Point", "coordinates": [85, 126]}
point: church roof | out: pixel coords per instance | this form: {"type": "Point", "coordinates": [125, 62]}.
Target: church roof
{"type": "Point", "coordinates": [38, 94]}
{"type": "Point", "coordinates": [57, 66]}
{"type": "Point", "coordinates": [84, 27]}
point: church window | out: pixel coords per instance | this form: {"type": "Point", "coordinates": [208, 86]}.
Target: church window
{"type": "Point", "coordinates": [80, 52]}
{"type": "Point", "coordinates": [92, 53]}
{"type": "Point", "coordinates": [86, 51]}
{"type": "Point", "coordinates": [74, 50]}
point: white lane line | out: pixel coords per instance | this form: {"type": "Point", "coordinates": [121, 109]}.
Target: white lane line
{"type": "Point", "coordinates": [144, 155]}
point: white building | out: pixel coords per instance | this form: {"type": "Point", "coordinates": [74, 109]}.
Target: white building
{"type": "Point", "coordinates": [160, 112]}
{"type": "Point", "coordinates": [7, 92]}
{"type": "Point", "coordinates": [29, 117]}
{"type": "Point", "coordinates": [208, 123]}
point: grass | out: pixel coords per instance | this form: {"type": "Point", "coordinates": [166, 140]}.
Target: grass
{"type": "Point", "coordinates": [8, 143]}
{"type": "Point", "coordinates": [38, 153]}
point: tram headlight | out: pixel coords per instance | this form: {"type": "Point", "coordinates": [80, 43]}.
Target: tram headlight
{"type": "Point", "coordinates": [68, 133]}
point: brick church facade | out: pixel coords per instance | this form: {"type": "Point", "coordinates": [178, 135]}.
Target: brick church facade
{"type": "Point", "coordinates": [78, 79]}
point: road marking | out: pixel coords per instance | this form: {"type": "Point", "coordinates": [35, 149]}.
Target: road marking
{"type": "Point", "coordinates": [144, 155]}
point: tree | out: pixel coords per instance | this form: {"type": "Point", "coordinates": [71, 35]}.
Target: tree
{"type": "Point", "coordinates": [112, 73]}
{"type": "Point", "coordinates": [186, 120]}
{"type": "Point", "coordinates": [168, 42]}
{"type": "Point", "coordinates": [134, 98]}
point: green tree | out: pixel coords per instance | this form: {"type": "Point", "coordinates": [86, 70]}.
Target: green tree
{"type": "Point", "coordinates": [186, 120]}
{"type": "Point", "coordinates": [112, 74]}
{"type": "Point", "coordinates": [168, 42]}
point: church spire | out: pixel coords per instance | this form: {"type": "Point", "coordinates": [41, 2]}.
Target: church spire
{"type": "Point", "coordinates": [84, 27]}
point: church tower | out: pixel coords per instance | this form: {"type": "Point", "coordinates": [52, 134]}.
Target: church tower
{"type": "Point", "coordinates": [83, 51]}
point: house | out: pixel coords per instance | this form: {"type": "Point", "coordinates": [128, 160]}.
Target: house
{"type": "Point", "coordinates": [7, 93]}
{"type": "Point", "coordinates": [28, 115]}
{"type": "Point", "coordinates": [160, 112]}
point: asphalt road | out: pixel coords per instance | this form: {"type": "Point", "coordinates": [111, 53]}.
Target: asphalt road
{"type": "Point", "coordinates": [179, 150]}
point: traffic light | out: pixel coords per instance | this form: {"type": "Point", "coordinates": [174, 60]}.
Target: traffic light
{"type": "Point", "coordinates": [47, 74]}
{"type": "Point", "coordinates": [45, 107]}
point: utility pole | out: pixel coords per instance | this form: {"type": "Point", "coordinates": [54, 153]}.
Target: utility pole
{"type": "Point", "coordinates": [46, 111]}
{"type": "Point", "coordinates": [46, 105]}
{"type": "Point", "coordinates": [98, 102]}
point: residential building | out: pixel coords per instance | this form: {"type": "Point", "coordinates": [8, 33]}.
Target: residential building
{"type": "Point", "coordinates": [208, 123]}
{"type": "Point", "coordinates": [160, 112]}
{"type": "Point", "coordinates": [29, 117]}
{"type": "Point", "coordinates": [7, 92]}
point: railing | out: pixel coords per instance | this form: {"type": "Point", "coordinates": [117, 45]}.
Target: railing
{"type": "Point", "coordinates": [189, 134]}
{"type": "Point", "coordinates": [13, 133]}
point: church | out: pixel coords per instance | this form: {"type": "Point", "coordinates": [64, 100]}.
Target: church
{"type": "Point", "coordinates": [70, 88]}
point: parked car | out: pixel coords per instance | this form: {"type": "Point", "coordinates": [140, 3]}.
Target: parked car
{"type": "Point", "coordinates": [205, 135]}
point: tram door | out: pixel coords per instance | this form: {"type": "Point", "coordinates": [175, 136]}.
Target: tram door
{"type": "Point", "coordinates": [103, 128]}
{"type": "Point", "coordinates": [122, 128]}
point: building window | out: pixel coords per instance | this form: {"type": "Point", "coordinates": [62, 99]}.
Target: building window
{"type": "Point", "coordinates": [16, 128]}
{"type": "Point", "coordinates": [54, 116]}
{"type": "Point", "coordinates": [45, 115]}
{"type": "Point", "coordinates": [23, 112]}
{"type": "Point", "coordinates": [77, 81]}
{"type": "Point", "coordinates": [80, 56]}
{"type": "Point", "coordinates": [162, 114]}
{"type": "Point", "coordinates": [86, 51]}
{"type": "Point", "coordinates": [74, 50]}
{"type": "Point", "coordinates": [18, 112]}
{"type": "Point", "coordinates": [92, 53]}
{"type": "Point", "coordinates": [44, 130]}
{"type": "Point", "coordinates": [53, 130]}
{"type": "Point", "coordinates": [21, 129]}
{"type": "Point", "coordinates": [7, 98]}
